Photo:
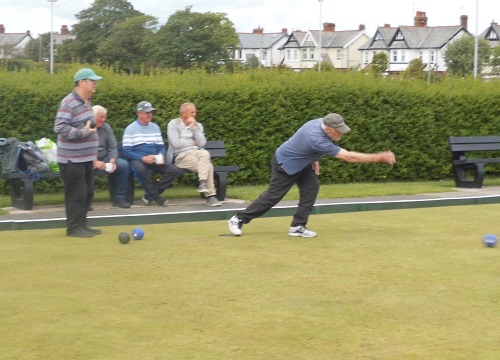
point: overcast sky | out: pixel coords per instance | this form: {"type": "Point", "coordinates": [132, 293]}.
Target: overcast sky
{"type": "Point", "coordinates": [272, 15]}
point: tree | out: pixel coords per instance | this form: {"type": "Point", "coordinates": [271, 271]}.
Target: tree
{"type": "Point", "coordinates": [459, 56]}
{"type": "Point", "coordinates": [192, 39]}
{"type": "Point", "coordinates": [38, 49]}
{"type": "Point", "coordinates": [415, 69]}
{"type": "Point", "coordinates": [495, 61]}
{"type": "Point", "coordinates": [128, 43]}
{"type": "Point", "coordinates": [380, 63]}
{"type": "Point", "coordinates": [94, 26]}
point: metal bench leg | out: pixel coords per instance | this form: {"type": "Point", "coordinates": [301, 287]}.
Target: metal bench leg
{"type": "Point", "coordinates": [221, 185]}
{"type": "Point", "coordinates": [21, 193]}
{"type": "Point", "coordinates": [477, 171]}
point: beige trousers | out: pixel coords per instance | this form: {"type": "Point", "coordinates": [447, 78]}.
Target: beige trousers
{"type": "Point", "coordinates": [198, 161]}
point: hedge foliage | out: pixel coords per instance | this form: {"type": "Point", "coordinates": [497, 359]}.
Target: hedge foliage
{"type": "Point", "coordinates": [254, 112]}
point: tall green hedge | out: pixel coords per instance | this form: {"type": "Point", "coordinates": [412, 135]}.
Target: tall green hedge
{"type": "Point", "coordinates": [254, 112]}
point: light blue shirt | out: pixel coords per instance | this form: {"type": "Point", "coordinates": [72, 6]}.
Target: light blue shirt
{"type": "Point", "coordinates": [306, 146]}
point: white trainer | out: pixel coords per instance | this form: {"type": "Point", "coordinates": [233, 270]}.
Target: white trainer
{"type": "Point", "coordinates": [301, 231]}
{"type": "Point", "coordinates": [235, 225]}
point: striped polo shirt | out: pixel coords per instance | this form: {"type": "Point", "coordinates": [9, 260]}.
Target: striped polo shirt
{"type": "Point", "coordinates": [74, 142]}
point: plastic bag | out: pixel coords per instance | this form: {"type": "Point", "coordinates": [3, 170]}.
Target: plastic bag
{"type": "Point", "coordinates": [49, 150]}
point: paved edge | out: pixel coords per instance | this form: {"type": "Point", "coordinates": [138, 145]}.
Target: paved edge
{"type": "Point", "coordinates": [224, 214]}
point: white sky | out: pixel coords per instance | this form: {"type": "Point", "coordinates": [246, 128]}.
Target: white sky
{"type": "Point", "coordinates": [272, 15]}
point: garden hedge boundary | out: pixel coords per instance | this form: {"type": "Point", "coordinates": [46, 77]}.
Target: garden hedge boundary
{"type": "Point", "coordinates": [254, 112]}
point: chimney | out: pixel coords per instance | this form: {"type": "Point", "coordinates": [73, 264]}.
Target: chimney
{"type": "Point", "coordinates": [387, 25]}
{"type": "Point", "coordinates": [64, 30]}
{"type": "Point", "coordinates": [493, 23]}
{"type": "Point", "coordinates": [2, 29]}
{"type": "Point", "coordinates": [28, 32]}
{"type": "Point", "coordinates": [421, 19]}
{"type": "Point", "coordinates": [284, 31]}
{"type": "Point", "coordinates": [259, 30]}
{"type": "Point", "coordinates": [328, 27]}
{"type": "Point", "coordinates": [463, 21]}
{"type": "Point", "coordinates": [361, 27]}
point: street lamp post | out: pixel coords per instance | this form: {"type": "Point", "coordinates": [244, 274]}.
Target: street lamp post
{"type": "Point", "coordinates": [51, 35]}
{"type": "Point", "coordinates": [476, 41]}
{"type": "Point", "coordinates": [319, 55]}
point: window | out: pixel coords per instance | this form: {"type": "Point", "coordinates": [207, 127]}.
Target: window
{"type": "Point", "coordinates": [264, 54]}
{"type": "Point", "coordinates": [294, 54]}
{"type": "Point", "coordinates": [366, 57]}
{"type": "Point", "coordinates": [339, 54]}
{"type": "Point", "coordinates": [403, 56]}
{"type": "Point", "coordinates": [420, 55]}
{"type": "Point", "coordinates": [394, 56]}
{"type": "Point", "coordinates": [288, 57]}
{"type": "Point", "coordinates": [304, 54]}
{"type": "Point", "coordinates": [311, 54]}
{"type": "Point", "coordinates": [432, 56]}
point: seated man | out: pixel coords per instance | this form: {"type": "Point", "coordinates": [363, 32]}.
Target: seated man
{"type": "Point", "coordinates": [107, 152]}
{"type": "Point", "coordinates": [186, 140]}
{"type": "Point", "coordinates": [143, 146]}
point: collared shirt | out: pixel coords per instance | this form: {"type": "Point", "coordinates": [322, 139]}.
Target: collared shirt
{"type": "Point", "coordinates": [74, 142]}
{"type": "Point", "coordinates": [306, 146]}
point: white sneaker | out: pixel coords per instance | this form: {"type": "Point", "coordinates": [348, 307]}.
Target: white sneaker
{"type": "Point", "coordinates": [235, 225]}
{"type": "Point", "coordinates": [301, 231]}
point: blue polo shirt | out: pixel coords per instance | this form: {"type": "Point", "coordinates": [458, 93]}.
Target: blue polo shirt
{"type": "Point", "coordinates": [306, 146]}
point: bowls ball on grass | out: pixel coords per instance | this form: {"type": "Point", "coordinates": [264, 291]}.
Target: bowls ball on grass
{"type": "Point", "coordinates": [138, 233]}
{"type": "Point", "coordinates": [490, 240]}
{"type": "Point", "coordinates": [124, 237]}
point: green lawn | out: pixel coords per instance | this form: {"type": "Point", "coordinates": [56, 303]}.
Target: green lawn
{"type": "Point", "coordinates": [405, 284]}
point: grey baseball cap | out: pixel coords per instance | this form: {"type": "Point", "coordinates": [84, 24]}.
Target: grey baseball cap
{"type": "Point", "coordinates": [145, 106]}
{"type": "Point", "coordinates": [335, 121]}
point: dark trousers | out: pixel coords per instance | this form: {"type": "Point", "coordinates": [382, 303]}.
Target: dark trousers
{"type": "Point", "coordinates": [120, 177]}
{"type": "Point", "coordinates": [168, 174]}
{"type": "Point", "coordinates": [78, 179]}
{"type": "Point", "coordinates": [280, 184]}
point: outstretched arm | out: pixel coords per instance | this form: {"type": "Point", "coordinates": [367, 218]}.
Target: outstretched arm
{"type": "Point", "coordinates": [387, 157]}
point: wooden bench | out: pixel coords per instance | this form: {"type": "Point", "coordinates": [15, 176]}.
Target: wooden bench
{"type": "Point", "coordinates": [463, 164]}
{"type": "Point", "coordinates": [22, 184]}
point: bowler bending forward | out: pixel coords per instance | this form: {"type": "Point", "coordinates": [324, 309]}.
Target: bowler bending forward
{"type": "Point", "coordinates": [296, 162]}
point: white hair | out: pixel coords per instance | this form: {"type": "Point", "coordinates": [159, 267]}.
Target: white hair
{"type": "Point", "coordinates": [98, 109]}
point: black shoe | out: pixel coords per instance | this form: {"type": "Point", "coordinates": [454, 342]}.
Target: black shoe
{"type": "Point", "coordinates": [161, 201]}
{"type": "Point", "coordinates": [92, 231]}
{"type": "Point", "coordinates": [121, 203]}
{"type": "Point", "coordinates": [81, 233]}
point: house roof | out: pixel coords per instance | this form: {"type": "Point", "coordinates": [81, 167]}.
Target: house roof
{"type": "Point", "coordinates": [259, 41]}
{"type": "Point", "coordinates": [336, 39]}
{"type": "Point", "coordinates": [60, 38]}
{"type": "Point", "coordinates": [381, 39]}
{"type": "Point", "coordinates": [329, 39]}
{"type": "Point", "coordinates": [492, 34]}
{"type": "Point", "coordinates": [295, 40]}
{"type": "Point", "coordinates": [13, 38]}
{"type": "Point", "coordinates": [412, 37]}
{"type": "Point", "coordinates": [425, 37]}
